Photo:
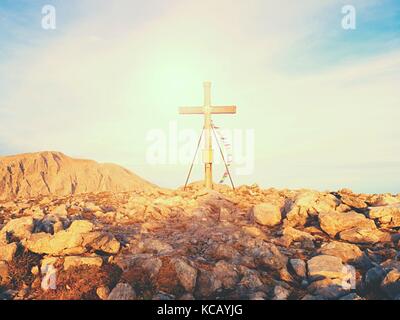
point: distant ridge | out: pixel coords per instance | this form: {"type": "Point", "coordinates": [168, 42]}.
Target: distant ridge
{"type": "Point", "coordinates": [49, 172]}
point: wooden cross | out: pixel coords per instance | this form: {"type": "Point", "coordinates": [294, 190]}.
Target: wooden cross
{"type": "Point", "coordinates": [207, 109]}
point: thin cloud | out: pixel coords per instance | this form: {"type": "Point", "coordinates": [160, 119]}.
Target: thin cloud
{"type": "Point", "coordinates": [99, 83]}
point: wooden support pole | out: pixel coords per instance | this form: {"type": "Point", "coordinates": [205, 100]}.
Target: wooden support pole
{"type": "Point", "coordinates": [208, 152]}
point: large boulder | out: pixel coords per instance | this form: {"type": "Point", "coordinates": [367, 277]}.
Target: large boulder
{"type": "Point", "coordinates": [102, 241]}
{"type": "Point", "coordinates": [266, 214]}
{"type": "Point", "coordinates": [309, 203]}
{"type": "Point", "coordinates": [325, 266]}
{"type": "Point", "coordinates": [364, 235]}
{"type": "Point", "coordinates": [68, 241]}
{"type": "Point", "coordinates": [269, 257]}
{"type": "Point", "coordinates": [384, 200]}
{"type": "Point", "coordinates": [21, 228]}
{"type": "Point", "coordinates": [388, 216]}
{"type": "Point", "coordinates": [185, 273]}
{"type": "Point", "coordinates": [77, 239]}
{"type": "Point", "coordinates": [349, 253]}
{"type": "Point", "coordinates": [334, 222]}
{"type": "Point", "coordinates": [353, 200]}
{"type": "Point", "coordinates": [291, 234]}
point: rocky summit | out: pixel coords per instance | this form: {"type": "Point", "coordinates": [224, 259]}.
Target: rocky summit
{"type": "Point", "coordinates": [152, 243]}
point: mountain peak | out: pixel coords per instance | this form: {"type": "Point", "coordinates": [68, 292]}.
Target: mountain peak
{"type": "Point", "coordinates": [53, 172]}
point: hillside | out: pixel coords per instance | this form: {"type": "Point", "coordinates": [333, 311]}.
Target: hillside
{"type": "Point", "coordinates": [44, 173]}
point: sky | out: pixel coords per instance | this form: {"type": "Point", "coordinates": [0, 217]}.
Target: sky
{"type": "Point", "coordinates": [322, 103]}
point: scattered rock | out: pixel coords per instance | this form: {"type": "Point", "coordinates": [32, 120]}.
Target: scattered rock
{"type": "Point", "coordinates": [76, 261]}
{"type": "Point", "coordinates": [21, 228]}
{"type": "Point", "coordinates": [222, 251]}
{"type": "Point", "coordinates": [325, 266]}
{"type": "Point", "coordinates": [156, 246]}
{"type": "Point", "coordinates": [388, 216]}
{"type": "Point", "coordinates": [349, 253]}
{"type": "Point", "coordinates": [335, 222]}
{"type": "Point", "coordinates": [48, 261]}
{"type": "Point", "coordinates": [299, 267]}
{"type": "Point", "coordinates": [269, 256]}
{"type": "Point", "coordinates": [226, 273]}
{"type": "Point", "coordinates": [391, 284]}
{"type": "Point", "coordinates": [254, 232]}
{"type": "Point", "coordinates": [309, 203]}
{"type": "Point", "coordinates": [328, 288]}
{"type": "Point", "coordinates": [291, 234]}
{"type": "Point", "coordinates": [207, 284]}
{"type": "Point", "coordinates": [266, 214]}
{"type": "Point", "coordinates": [280, 293]}
{"type": "Point", "coordinates": [103, 292]}
{"type": "Point", "coordinates": [4, 273]}
{"type": "Point", "coordinates": [64, 242]}
{"type": "Point", "coordinates": [122, 291]}
{"type": "Point", "coordinates": [384, 200]}
{"type": "Point", "coordinates": [7, 252]}
{"type": "Point", "coordinates": [353, 201]}
{"type": "Point", "coordinates": [75, 240]}
{"type": "Point", "coordinates": [251, 280]}
{"type": "Point", "coordinates": [101, 241]}
{"type": "Point", "coordinates": [186, 274]}
{"type": "Point", "coordinates": [365, 235]}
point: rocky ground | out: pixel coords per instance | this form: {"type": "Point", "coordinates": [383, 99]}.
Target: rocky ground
{"type": "Point", "coordinates": [198, 244]}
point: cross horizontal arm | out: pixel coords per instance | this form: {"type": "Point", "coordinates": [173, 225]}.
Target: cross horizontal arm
{"type": "Point", "coordinates": [214, 110]}
{"type": "Point", "coordinates": [191, 110]}
{"type": "Point", "coordinates": [223, 110]}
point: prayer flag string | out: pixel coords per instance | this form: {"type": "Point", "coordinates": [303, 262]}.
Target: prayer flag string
{"type": "Point", "coordinates": [227, 150]}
